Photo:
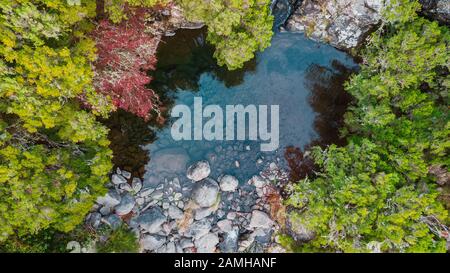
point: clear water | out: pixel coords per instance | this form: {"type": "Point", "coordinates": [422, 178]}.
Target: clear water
{"type": "Point", "coordinates": [281, 75]}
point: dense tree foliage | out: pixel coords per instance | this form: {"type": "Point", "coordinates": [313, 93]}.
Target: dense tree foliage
{"type": "Point", "coordinates": [54, 155]}
{"type": "Point", "coordinates": [237, 28]}
{"type": "Point", "coordinates": [376, 194]}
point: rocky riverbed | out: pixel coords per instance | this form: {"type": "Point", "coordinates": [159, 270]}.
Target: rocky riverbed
{"type": "Point", "coordinates": [205, 214]}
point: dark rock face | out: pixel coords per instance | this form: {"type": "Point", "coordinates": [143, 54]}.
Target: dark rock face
{"type": "Point", "coordinates": [437, 9]}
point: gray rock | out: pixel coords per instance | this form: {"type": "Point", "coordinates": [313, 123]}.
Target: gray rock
{"type": "Point", "coordinates": [151, 220]}
{"type": "Point", "coordinates": [231, 215]}
{"type": "Point", "coordinates": [118, 179]}
{"type": "Point", "coordinates": [111, 199]}
{"type": "Point", "coordinates": [258, 181]}
{"type": "Point", "coordinates": [228, 183]}
{"type": "Point", "coordinates": [140, 201]}
{"type": "Point", "coordinates": [175, 213]}
{"type": "Point", "coordinates": [126, 174]}
{"type": "Point", "coordinates": [185, 243]}
{"type": "Point", "coordinates": [198, 229]}
{"type": "Point", "coordinates": [168, 248]}
{"type": "Point", "coordinates": [146, 192]}
{"type": "Point", "coordinates": [230, 241]}
{"type": "Point", "coordinates": [437, 10]}
{"type": "Point", "coordinates": [113, 221]}
{"type": "Point", "coordinates": [343, 24]}
{"type": "Point", "coordinates": [94, 219]}
{"type": "Point", "coordinates": [157, 195]}
{"type": "Point", "coordinates": [152, 242]}
{"type": "Point", "coordinates": [126, 205]}
{"type": "Point", "coordinates": [136, 184]}
{"type": "Point", "coordinates": [105, 210]}
{"type": "Point", "coordinates": [207, 243]}
{"type": "Point", "coordinates": [202, 213]}
{"type": "Point", "coordinates": [260, 219]}
{"type": "Point", "coordinates": [199, 170]}
{"type": "Point", "coordinates": [125, 187]}
{"type": "Point", "coordinates": [225, 225]}
{"type": "Point", "coordinates": [206, 192]}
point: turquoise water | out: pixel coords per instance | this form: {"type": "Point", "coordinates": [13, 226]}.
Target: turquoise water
{"type": "Point", "coordinates": [292, 73]}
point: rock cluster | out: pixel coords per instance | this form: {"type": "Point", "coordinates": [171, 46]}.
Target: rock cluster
{"type": "Point", "coordinates": [201, 215]}
{"type": "Point", "coordinates": [343, 24]}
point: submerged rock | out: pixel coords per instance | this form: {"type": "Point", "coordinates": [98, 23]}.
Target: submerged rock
{"type": "Point", "coordinates": [170, 160]}
{"type": "Point", "coordinates": [198, 171]}
{"type": "Point", "coordinates": [228, 183]}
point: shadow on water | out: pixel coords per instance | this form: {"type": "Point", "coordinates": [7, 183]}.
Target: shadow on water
{"type": "Point", "coordinates": [329, 100]}
{"type": "Point", "coordinates": [127, 133]}
{"type": "Point", "coordinates": [184, 57]}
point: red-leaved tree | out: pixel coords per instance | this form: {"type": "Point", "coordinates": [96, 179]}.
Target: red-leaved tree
{"type": "Point", "coordinates": [126, 51]}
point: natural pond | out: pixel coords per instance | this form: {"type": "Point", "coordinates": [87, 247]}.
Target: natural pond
{"type": "Point", "coordinates": [302, 77]}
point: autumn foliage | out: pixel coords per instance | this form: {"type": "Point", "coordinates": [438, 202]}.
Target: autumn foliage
{"type": "Point", "coordinates": [125, 53]}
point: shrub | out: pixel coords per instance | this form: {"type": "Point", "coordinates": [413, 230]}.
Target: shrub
{"type": "Point", "coordinates": [121, 240]}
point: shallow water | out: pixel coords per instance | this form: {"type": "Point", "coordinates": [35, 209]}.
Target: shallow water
{"type": "Point", "coordinates": [302, 77]}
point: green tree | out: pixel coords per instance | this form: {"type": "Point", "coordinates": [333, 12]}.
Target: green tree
{"type": "Point", "coordinates": [54, 155]}
{"type": "Point", "coordinates": [236, 28]}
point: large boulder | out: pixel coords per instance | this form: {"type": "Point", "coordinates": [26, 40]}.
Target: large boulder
{"type": "Point", "coordinates": [170, 160]}
{"type": "Point", "coordinates": [205, 193]}
{"type": "Point", "coordinates": [343, 24]}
